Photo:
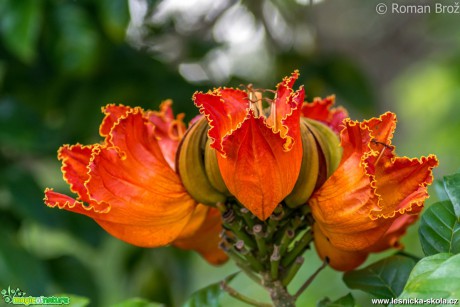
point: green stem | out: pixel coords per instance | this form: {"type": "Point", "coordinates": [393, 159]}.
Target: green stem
{"type": "Point", "coordinates": [286, 240]}
{"type": "Point", "coordinates": [310, 280]}
{"type": "Point", "coordinates": [298, 249]}
{"type": "Point", "coordinates": [275, 262]}
{"type": "Point", "coordinates": [258, 233]}
{"type": "Point", "coordinates": [232, 292]}
{"type": "Point", "coordinates": [248, 217]}
{"type": "Point", "coordinates": [241, 234]}
{"type": "Point", "coordinates": [242, 264]}
{"type": "Point", "coordinates": [255, 264]}
{"type": "Point", "coordinates": [292, 271]}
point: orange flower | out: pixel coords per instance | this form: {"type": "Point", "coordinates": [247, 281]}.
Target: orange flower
{"type": "Point", "coordinates": [130, 185]}
{"type": "Point", "coordinates": [260, 152]}
{"type": "Point", "coordinates": [321, 110]}
{"type": "Point", "coordinates": [373, 196]}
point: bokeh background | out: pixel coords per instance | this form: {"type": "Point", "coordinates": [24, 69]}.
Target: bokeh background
{"type": "Point", "coordinates": [61, 60]}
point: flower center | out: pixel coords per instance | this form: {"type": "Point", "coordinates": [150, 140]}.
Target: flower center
{"type": "Point", "coordinates": [176, 129]}
{"type": "Point", "coordinates": [256, 100]}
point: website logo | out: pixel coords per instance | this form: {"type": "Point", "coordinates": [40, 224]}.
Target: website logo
{"type": "Point", "coordinates": [18, 297]}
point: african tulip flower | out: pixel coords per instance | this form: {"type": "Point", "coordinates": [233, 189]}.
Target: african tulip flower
{"type": "Point", "coordinates": [259, 151]}
{"type": "Point", "coordinates": [130, 185]}
{"type": "Point", "coordinates": [372, 197]}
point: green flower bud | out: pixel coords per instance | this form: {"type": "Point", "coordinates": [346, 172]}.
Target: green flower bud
{"type": "Point", "coordinates": [197, 166]}
{"type": "Point", "coordinates": [321, 156]}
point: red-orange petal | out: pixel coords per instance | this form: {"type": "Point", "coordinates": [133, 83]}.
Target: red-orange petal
{"type": "Point", "coordinates": [196, 221]}
{"type": "Point", "coordinates": [342, 206]}
{"type": "Point", "coordinates": [205, 239]}
{"type": "Point", "coordinates": [283, 105]}
{"type": "Point", "coordinates": [75, 160]}
{"type": "Point", "coordinates": [141, 188]}
{"type": "Point", "coordinates": [391, 237]}
{"type": "Point", "coordinates": [54, 199]}
{"type": "Point", "coordinates": [225, 110]}
{"type": "Point", "coordinates": [132, 192]}
{"type": "Point", "coordinates": [363, 206]}
{"type": "Point", "coordinates": [259, 158]}
{"type": "Point", "coordinates": [168, 130]}
{"type": "Point", "coordinates": [338, 259]}
{"type": "Point", "coordinates": [401, 184]}
{"type": "Point", "coordinates": [321, 110]}
{"type": "Point", "coordinates": [112, 114]}
{"type": "Point", "coordinates": [257, 170]}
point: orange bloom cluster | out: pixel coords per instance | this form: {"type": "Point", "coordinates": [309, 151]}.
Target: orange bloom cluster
{"type": "Point", "coordinates": [260, 155]}
{"type": "Point", "coordinates": [373, 196]}
{"type": "Point", "coordinates": [131, 187]}
{"type": "Point", "coordinates": [134, 192]}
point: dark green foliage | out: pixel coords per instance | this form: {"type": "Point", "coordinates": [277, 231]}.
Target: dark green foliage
{"type": "Point", "coordinates": [383, 279]}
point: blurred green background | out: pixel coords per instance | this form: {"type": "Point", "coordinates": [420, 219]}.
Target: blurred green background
{"type": "Point", "coordinates": [60, 61]}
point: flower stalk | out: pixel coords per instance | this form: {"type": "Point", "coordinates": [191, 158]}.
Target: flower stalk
{"type": "Point", "coordinates": [265, 260]}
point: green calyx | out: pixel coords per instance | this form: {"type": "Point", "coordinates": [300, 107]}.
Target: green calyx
{"type": "Point", "coordinates": [321, 157]}
{"type": "Point", "coordinates": [197, 166]}
{"type": "Point", "coordinates": [270, 252]}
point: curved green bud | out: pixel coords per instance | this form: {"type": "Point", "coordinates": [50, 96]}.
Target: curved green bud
{"type": "Point", "coordinates": [212, 169]}
{"type": "Point", "coordinates": [191, 166]}
{"type": "Point", "coordinates": [328, 142]}
{"type": "Point", "coordinates": [321, 157]}
{"type": "Point", "coordinates": [309, 169]}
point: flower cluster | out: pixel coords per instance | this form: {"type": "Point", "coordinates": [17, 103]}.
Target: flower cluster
{"type": "Point", "coordinates": [152, 182]}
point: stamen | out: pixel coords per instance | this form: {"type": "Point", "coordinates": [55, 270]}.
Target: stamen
{"type": "Point", "coordinates": [273, 115]}
{"type": "Point", "coordinates": [255, 99]}
{"type": "Point", "coordinates": [385, 146]}
{"type": "Point", "coordinates": [176, 130]}
{"type": "Point", "coordinates": [380, 155]}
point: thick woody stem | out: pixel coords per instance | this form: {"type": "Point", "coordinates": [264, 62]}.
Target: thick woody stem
{"type": "Point", "coordinates": [279, 293]}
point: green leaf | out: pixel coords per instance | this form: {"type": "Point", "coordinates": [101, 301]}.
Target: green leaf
{"type": "Point", "coordinates": [437, 276]}
{"type": "Point", "coordinates": [440, 190]}
{"type": "Point", "coordinates": [440, 229]}
{"type": "Point", "coordinates": [345, 301]}
{"type": "Point", "coordinates": [208, 296]}
{"type": "Point", "coordinates": [452, 186]}
{"type": "Point", "coordinates": [19, 26]}
{"type": "Point", "coordinates": [384, 279]}
{"type": "Point", "coordinates": [137, 302]}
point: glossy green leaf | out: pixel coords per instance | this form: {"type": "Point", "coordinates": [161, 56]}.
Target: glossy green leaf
{"type": "Point", "coordinates": [440, 229]}
{"type": "Point", "coordinates": [20, 26]}
{"type": "Point", "coordinates": [384, 279]}
{"type": "Point", "coordinates": [440, 190]}
{"type": "Point", "coordinates": [345, 301]}
{"type": "Point", "coordinates": [436, 277]}
{"type": "Point", "coordinates": [137, 302]}
{"type": "Point", "coordinates": [452, 186]}
{"type": "Point", "coordinates": [208, 296]}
